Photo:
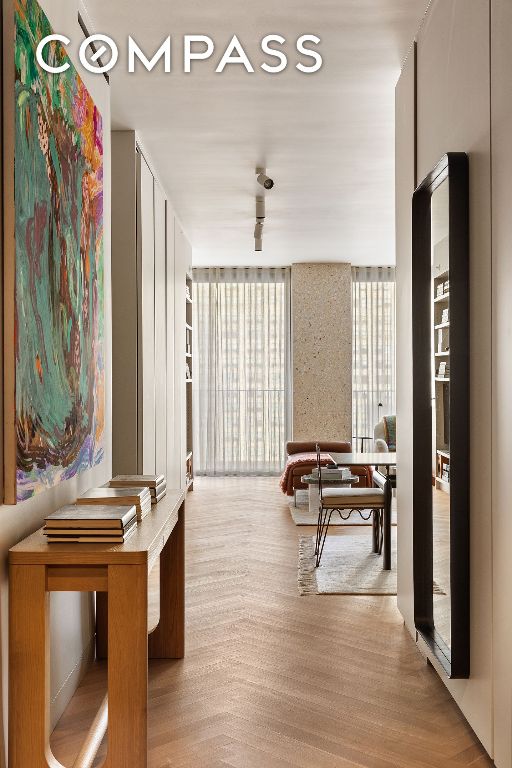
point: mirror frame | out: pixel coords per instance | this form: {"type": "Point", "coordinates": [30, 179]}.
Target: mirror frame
{"type": "Point", "coordinates": [455, 659]}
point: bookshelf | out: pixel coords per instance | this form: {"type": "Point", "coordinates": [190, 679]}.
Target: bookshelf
{"type": "Point", "coordinates": [189, 462]}
{"type": "Point", "coordinates": [441, 369]}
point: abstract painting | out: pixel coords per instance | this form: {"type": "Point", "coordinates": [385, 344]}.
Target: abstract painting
{"type": "Point", "coordinates": [59, 382]}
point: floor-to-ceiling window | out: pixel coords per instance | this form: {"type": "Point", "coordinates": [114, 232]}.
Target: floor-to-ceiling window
{"type": "Point", "coordinates": [241, 370]}
{"type": "Point", "coordinates": [373, 357]}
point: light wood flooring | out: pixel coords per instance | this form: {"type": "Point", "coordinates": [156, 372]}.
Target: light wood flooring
{"type": "Point", "coordinates": [274, 680]}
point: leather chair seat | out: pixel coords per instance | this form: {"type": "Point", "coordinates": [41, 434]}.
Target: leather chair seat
{"type": "Point", "coordinates": [349, 498]}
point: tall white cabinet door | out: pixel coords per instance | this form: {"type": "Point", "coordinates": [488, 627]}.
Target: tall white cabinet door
{"type": "Point", "coordinates": [146, 318]}
{"type": "Point", "coordinates": [160, 333]}
{"type": "Point", "coordinates": [173, 455]}
{"type": "Point", "coordinates": [124, 304]}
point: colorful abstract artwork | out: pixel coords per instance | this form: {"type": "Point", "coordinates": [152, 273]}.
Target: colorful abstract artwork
{"type": "Point", "coordinates": [58, 280]}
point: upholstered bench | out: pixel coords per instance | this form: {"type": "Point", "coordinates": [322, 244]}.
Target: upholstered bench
{"type": "Point", "coordinates": [301, 460]}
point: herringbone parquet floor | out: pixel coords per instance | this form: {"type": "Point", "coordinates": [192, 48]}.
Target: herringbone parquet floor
{"type": "Point", "coordinates": [274, 680]}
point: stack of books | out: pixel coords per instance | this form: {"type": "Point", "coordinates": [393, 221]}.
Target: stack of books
{"type": "Point", "coordinates": [333, 473]}
{"type": "Point", "coordinates": [91, 524]}
{"type": "Point", "coordinates": [138, 497]}
{"type": "Point", "coordinates": [156, 484]}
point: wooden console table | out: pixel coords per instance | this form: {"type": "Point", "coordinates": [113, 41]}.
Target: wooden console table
{"type": "Point", "coordinates": [119, 576]}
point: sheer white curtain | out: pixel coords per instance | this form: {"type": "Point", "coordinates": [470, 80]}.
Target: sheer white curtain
{"type": "Point", "coordinates": [373, 339]}
{"type": "Point", "coordinates": [241, 332]}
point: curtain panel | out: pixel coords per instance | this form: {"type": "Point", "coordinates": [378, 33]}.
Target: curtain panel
{"type": "Point", "coordinates": [373, 348]}
{"type": "Point", "coordinates": [241, 327]}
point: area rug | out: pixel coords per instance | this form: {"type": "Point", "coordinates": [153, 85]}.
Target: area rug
{"type": "Point", "coordinates": [302, 516]}
{"type": "Point", "coordinates": [348, 567]}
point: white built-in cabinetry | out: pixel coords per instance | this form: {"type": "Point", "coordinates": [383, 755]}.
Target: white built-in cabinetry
{"type": "Point", "coordinates": [151, 257]}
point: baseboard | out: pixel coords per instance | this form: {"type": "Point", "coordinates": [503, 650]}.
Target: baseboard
{"type": "Point", "coordinates": [65, 693]}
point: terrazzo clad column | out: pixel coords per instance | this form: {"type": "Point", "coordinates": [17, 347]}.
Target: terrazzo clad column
{"type": "Point", "coordinates": [321, 306]}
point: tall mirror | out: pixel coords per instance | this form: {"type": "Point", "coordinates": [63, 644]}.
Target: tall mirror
{"type": "Point", "coordinates": [441, 412]}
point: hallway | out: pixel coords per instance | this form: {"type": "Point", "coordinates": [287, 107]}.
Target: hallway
{"type": "Point", "coordinates": [274, 680]}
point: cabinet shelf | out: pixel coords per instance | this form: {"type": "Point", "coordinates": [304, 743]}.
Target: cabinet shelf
{"type": "Point", "coordinates": [442, 325]}
{"type": "Point", "coordinates": [443, 297]}
{"type": "Point", "coordinates": [441, 354]}
{"type": "Point", "coordinates": [442, 378]}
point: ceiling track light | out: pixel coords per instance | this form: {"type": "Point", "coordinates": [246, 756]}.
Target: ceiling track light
{"type": "Point", "coordinates": [267, 183]}
{"type": "Point", "coordinates": [260, 207]}
{"type": "Point", "coordinates": [263, 179]}
{"type": "Point", "coordinates": [260, 220]}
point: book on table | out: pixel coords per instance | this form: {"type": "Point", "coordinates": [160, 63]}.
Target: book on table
{"type": "Point", "coordinates": [92, 536]}
{"type": "Point", "coordinates": [338, 473]}
{"type": "Point", "coordinates": [91, 516]}
{"type": "Point", "coordinates": [156, 483]}
{"type": "Point", "coordinates": [148, 481]}
{"type": "Point", "coordinates": [91, 523]}
{"type": "Point", "coordinates": [139, 497]}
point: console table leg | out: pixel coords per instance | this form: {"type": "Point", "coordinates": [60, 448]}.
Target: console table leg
{"type": "Point", "coordinates": [101, 625]}
{"type": "Point", "coordinates": [387, 526]}
{"type": "Point", "coordinates": [127, 666]}
{"type": "Point", "coordinates": [167, 641]}
{"type": "Point", "coordinates": [29, 695]}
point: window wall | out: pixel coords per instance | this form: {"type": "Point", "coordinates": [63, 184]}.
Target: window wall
{"type": "Point", "coordinates": [241, 370]}
{"type": "Point", "coordinates": [373, 348]}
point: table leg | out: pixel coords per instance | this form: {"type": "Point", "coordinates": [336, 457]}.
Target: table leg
{"type": "Point", "coordinates": [375, 529]}
{"type": "Point", "coordinates": [167, 641]}
{"type": "Point", "coordinates": [101, 625]}
{"type": "Point", "coordinates": [29, 695]}
{"type": "Point", "coordinates": [127, 666]}
{"type": "Point", "coordinates": [387, 526]}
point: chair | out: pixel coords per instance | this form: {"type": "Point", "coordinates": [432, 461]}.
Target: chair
{"type": "Point", "coordinates": [377, 501]}
{"type": "Point", "coordinates": [384, 435]}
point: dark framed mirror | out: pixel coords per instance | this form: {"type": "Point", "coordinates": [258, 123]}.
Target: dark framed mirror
{"type": "Point", "coordinates": [440, 298]}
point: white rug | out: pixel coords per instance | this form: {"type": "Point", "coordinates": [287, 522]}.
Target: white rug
{"type": "Point", "coordinates": [348, 567]}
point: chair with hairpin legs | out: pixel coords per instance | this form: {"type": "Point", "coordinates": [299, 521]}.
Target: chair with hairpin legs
{"type": "Point", "coordinates": [376, 502]}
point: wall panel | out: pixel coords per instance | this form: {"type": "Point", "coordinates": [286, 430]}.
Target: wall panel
{"type": "Point", "coordinates": [160, 333]}
{"type": "Point", "coordinates": [71, 617]}
{"type": "Point", "coordinates": [501, 122]}
{"type": "Point", "coordinates": [146, 318]}
{"type": "Point", "coordinates": [453, 107]}
{"type": "Point", "coordinates": [405, 182]}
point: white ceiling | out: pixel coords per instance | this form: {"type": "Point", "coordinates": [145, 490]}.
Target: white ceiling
{"type": "Point", "coordinates": [327, 139]}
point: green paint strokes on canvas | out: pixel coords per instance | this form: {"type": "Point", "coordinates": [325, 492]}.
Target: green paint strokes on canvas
{"type": "Point", "coordinates": [60, 385]}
